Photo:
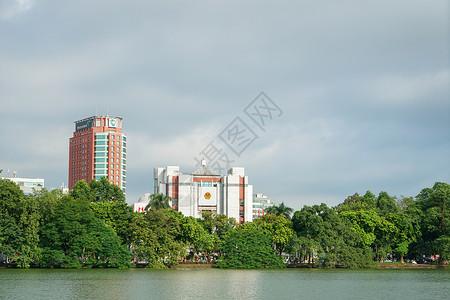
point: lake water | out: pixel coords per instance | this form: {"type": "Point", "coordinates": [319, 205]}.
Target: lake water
{"type": "Point", "coordinates": [224, 284]}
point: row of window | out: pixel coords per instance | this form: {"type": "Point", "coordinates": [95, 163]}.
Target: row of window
{"type": "Point", "coordinates": [80, 169]}
{"type": "Point", "coordinates": [82, 140]}
{"type": "Point", "coordinates": [80, 157]}
{"type": "Point", "coordinates": [103, 136]}
{"type": "Point", "coordinates": [104, 155]}
{"type": "Point", "coordinates": [105, 143]}
{"type": "Point", "coordinates": [80, 146]}
{"type": "Point", "coordinates": [79, 163]}
{"type": "Point", "coordinates": [207, 184]}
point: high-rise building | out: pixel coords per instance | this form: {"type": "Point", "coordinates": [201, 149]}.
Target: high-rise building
{"type": "Point", "coordinates": [205, 190]}
{"type": "Point", "coordinates": [98, 149]}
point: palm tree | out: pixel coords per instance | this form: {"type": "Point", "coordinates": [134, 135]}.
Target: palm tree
{"type": "Point", "coordinates": [159, 201]}
{"type": "Point", "coordinates": [280, 210]}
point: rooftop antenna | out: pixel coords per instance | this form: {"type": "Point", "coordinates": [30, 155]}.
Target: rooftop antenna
{"type": "Point", "coordinates": [107, 110]}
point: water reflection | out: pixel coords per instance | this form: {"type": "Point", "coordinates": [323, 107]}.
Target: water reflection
{"type": "Point", "coordinates": [224, 284]}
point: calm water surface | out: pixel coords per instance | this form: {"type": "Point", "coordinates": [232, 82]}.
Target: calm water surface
{"type": "Point", "coordinates": [224, 284]}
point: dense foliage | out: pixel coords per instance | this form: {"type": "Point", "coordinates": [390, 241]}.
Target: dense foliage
{"type": "Point", "coordinates": [248, 247]}
{"type": "Point", "coordinates": [94, 227]}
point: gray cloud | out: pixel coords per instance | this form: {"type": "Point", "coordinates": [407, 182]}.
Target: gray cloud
{"type": "Point", "coordinates": [363, 86]}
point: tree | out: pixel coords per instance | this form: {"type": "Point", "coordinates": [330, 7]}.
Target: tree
{"type": "Point", "coordinates": [217, 224]}
{"type": "Point", "coordinates": [78, 238]}
{"type": "Point", "coordinates": [356, 202]}
{"type": "Point", "coordinates": [278, 228]}
{"type": "Point", "coordinates": [247, 247]}
{"type": "Point", "coordinates": [82, 191]}
{"type": "Point", "coordinates": [308, 224]}
{"type": "Point", "coordinates": [324, 233]}
{"type": "Point", "coordinates": [408, 231]}
{"type": "Point", "coordinates": [433, 204]}
{"type": "Point", "coordinates": [11, 237]}
{"type": "Point", "coordinates": [159, 201]}
{"type": "Point", "coordinates": [117, 215]}
{"type": "Point", "coordinates": [195, 235]}
{"type": "Point", "coordinates": [386, 204]}
{"type": "Point", "coordinates": [374, 230]}
{"type": "Point", "coordinates": [280, 210]}
{"type": "Point", "coordinates": [97, 191]}
{"type": "Point", "coordinates": [404, 202]}
{"type": "Point", "coordinates": [156, 237]}
{"type": "Point", "coordinates": [104, 191]}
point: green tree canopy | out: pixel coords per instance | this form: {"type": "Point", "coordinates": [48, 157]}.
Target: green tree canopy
{"type": "Point", "coordinates": [155, 237]}
{"type": "Point", "coordinates": [159, 201]}
{"type": "Point", "coordinates": [279, 228]}
{"type": "Point", "coordinates": [77, 238]}
{"type": "Point", "coordinates": [248, 247]}
{"type": "Point", "coordinates": [280, 210]}
{"type": "Point", "coordinates": [97, 191]}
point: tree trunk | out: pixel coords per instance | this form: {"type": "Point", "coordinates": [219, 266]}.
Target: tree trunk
{"type": "Point", "coordinates": [377, 254]}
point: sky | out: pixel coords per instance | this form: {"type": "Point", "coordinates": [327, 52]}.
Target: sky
{"type": "Point", "coordinates": [356, 93]}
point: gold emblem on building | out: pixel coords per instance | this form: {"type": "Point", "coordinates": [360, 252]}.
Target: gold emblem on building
{"type": "Point", "coordinates": [207, 195]}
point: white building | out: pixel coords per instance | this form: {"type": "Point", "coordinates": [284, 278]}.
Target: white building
{"type": "Point", "coordinates": [260, 204]}
{"type": "Point", "coordinates": [142, 203]}
{"type": "Point", "coordinates": [206, 190]}
{"type": "Point", "coordinates": [28, 184]}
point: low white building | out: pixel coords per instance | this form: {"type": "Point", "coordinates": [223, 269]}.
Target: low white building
{"type": "Point", "coordinates": [260, 204]}
{"type": "Point", "coordinates": [28, 184]}
{"type": "Point", "coordinates": [142, 203]}
{"type": "Point", "coordinates": [206, 190]}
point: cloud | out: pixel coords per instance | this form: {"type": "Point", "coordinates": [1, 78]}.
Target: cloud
{"type": "Point", "coordinates": [402, 89]}
{"type": "Point", "coordinates": [11, 8]}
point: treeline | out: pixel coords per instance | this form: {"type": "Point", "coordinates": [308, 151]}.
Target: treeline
{"type": "Point", "coordinates": [94, 227]}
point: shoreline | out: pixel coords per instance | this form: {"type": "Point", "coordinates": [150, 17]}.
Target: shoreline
{"type": "Point", "coordinates": [410, 266]}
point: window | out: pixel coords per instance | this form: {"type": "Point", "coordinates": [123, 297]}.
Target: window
{"type": "Point", "coordinates": [118, 160]}
{"type": "Point", "coordinates": [112, 143]}
{"type": "Point", "coordinates": [112, 177]}
{"type": "Point", "coordinates": [117, 171]}
{"type": "Point", "coordinates": [101, 149]}
{"type": "Point", "coordinates": [112, 160]}
{"type": "Point", "coordinates": [117, 166]}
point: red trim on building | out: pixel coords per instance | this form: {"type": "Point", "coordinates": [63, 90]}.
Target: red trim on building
{"type": "Point", "coordinates": [206, 179]}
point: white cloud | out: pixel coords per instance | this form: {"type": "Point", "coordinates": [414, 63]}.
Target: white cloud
{"type": "Point", "coordinates": [12, 8]}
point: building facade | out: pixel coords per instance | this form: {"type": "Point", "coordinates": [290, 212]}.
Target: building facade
{"type": "Point", "coordinates": [98, 149]}
{"type": "Point", "coordinates": [206, 190]}
{"type": "Point", "coordinates": [260, 204]}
